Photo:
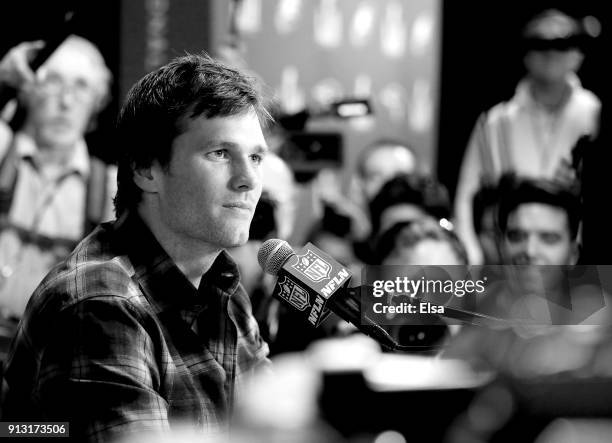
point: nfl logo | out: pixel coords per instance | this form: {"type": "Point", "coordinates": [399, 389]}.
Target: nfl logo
{"type": "Point", "coordinates": [294, 294]}
{"type": "Point", "coordinates": [312, 266]}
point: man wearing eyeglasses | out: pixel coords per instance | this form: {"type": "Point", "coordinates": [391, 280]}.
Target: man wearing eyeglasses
{"type": "Point", "coordinates": [51, 190]}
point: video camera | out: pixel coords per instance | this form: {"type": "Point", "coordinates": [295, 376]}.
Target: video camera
{"type": "Point", "coordinates": [308, 152]}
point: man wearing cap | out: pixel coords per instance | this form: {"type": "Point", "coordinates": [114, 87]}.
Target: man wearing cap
{"type": "Point", "coordinates": [532, 134]}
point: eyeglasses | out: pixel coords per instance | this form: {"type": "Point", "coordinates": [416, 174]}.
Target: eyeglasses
{"type": "Point", "coordinates": [558, 44]}
{"type": "Point", "coordinates": [53, 85]}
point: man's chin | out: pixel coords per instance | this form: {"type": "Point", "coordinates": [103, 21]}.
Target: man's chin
{"type": "Point", "coordinates": [60, 139]}
{"type": "Point", "coordinates": [237, 240]}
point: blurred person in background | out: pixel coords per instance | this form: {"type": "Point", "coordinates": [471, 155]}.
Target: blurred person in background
{"type": "Point", "coordinates": [532, 134]}
{"type": "Point", "coordinates": [407, 198]}
{"type": "Point", "coordinates": [52, 191]}
{"type": "Point", "coordinates": [421, 242]}
{"type": "Point", "coordinates": [380, 161]}
{"type": "Point", "coordinates": [539, 222]}
{"type": "Point", "coordinates": [377, 163]}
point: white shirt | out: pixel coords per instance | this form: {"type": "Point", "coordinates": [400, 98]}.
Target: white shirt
{"type": "Point", "coordinates": [54, 208]}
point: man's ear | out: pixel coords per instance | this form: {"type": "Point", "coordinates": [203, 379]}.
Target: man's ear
{"type": "Point", "coordinates": [145, 179]}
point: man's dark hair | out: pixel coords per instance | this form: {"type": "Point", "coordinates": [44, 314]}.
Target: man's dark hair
{"type": "Point", "coordinates": [158, 106]}
{"type": "Point", "coordinates": [515, 191]}
{"type": "Point", "coordinates": [422, 191]}
{"type": "Point", "coordinates": [485, 198]}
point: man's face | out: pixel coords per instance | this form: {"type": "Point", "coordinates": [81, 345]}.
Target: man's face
{"type": "Point", "coordinates": [210, 190]}
{"type": "Point", "coordinates": [63, 99]}
{"type": "Point", "coordinates": [552, 65]}
{"type": "Point", "coordinates": [539, 234]}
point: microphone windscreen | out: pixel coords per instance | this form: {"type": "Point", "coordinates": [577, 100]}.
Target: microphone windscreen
{"type": "Point", "coordinates": [272, 254]}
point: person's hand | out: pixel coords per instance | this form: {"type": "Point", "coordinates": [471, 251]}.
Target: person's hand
{"type": "Point", "coordinates": [14, 66]}
{"type": "Point", "coordinates": [565, 173]}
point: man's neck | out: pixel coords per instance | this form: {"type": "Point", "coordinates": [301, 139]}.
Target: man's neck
{"type": "Point", "coordinates": [53, 162]}
{"type": "Point", "coordinates": [51, 157]}
{"type": "Point", "coordinates": [54, 156]}
{"type": "Point", "coordinates": [193, 258]}
{"type": "Point", "coordinates": [550, 95]}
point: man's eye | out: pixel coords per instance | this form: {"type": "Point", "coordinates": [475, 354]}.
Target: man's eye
{"type": "Point", "coordinates": [257, 158]}
{"type": "Point", "coordinates": [219, 154]}
{"type": "Point", "coordinates": [82, 85]}
{"type": "Point", "coordinates": [550, 238]}
{"type": "Point", "coordinates": [515, 236]}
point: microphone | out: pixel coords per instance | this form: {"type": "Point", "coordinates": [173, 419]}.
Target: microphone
{"type": "Point", "coordinates": [315, 284]}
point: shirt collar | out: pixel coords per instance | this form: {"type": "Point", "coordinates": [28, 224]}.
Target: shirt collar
{"type": "Point", "coordinates": [523, 95]}
{"type": "Point", "coordinates": [159, 276]}
{"type": "Point", "coordinates": [79, 161]}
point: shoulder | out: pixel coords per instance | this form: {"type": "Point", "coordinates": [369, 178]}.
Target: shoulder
{"type": "Point", "coordinates": [502, 110]}
{"type": "Point", "coordinates": [93, 270]}
{"type": "Point", "coordinates": [587, 99]}
{"type": "Point", "coordinates": [92, 299]}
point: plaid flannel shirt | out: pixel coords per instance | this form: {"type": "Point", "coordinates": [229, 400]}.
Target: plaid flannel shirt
{"type": "Point", "coordinates": [116, 340]}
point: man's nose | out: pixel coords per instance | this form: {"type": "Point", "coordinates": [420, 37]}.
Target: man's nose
{"type": "Point", "coordinates": [66, 97]}
{"type": "Point", "coordinates": [531, 248]}
{"type": "Point", "coordinates": [245, 175]}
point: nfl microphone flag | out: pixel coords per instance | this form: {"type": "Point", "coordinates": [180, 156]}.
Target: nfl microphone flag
{"type": "Point", "coordinates": [308, 280]}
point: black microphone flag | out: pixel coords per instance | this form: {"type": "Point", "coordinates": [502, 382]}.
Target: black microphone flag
{"type": "Point", "coordinates": [307, 280]}
{"type": "Point", "coordinates": [315, 284]}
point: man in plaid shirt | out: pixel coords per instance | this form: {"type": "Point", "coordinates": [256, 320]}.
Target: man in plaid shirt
{"type": "Point", "coordinates": [145, 325]}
